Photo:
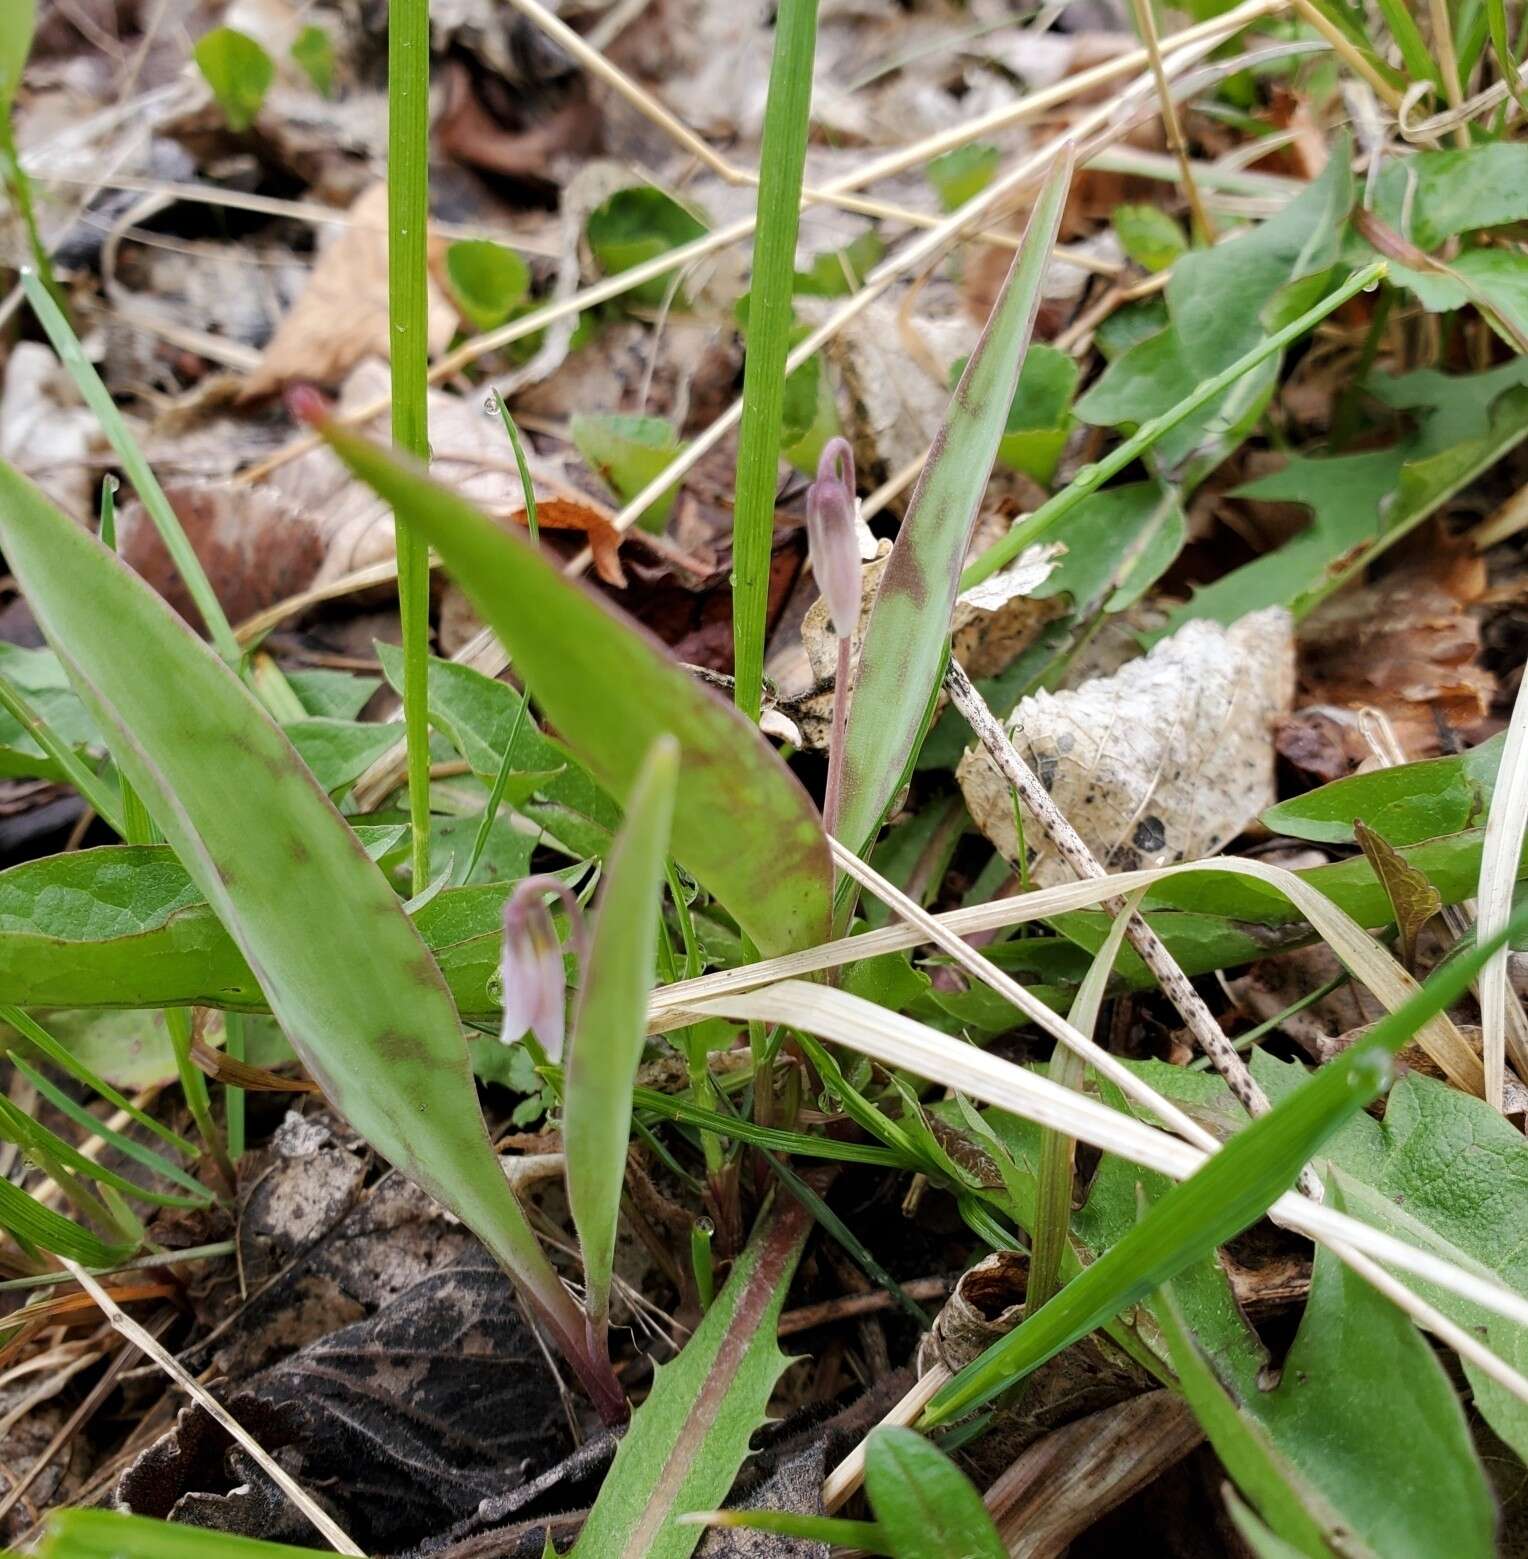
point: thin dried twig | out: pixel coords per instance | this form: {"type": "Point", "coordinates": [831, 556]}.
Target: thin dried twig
{"type": "Point", "coordinates": [1068, 842]}
{"type": "Point", "coordinates": [1146, 25]}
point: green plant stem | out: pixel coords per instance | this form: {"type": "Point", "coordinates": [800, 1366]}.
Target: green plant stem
{"type": "Point", "coordinates": [506, 763]}
{"type": "Point", "coordinates": [97, 797]}
{"type": "Point", "coordinates": [150, 494]}
{"type": "Point", "coordinates": [700, 1261]}
{"type": "Point", "coordinates": [1087, 481]}
{"type": "Point", "coordinates": [18, 189]}
{"type": "Point", "coordinates": [233, 1098]}
{"type": "Point", "coordinates": [782, 158]}
{"type": "Point", "coordinates": [408, 130]}
{"type": "Point", "coordinates": [168, 1258]}
{"type": "Point", "coordinates": [177, 1021]}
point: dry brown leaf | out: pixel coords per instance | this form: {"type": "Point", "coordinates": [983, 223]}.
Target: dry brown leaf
{"type": "Point", "coordinates": [1164, 761]}
{"type": "Point", "coordinates": [896, 379]}
{"type": "Point", "coordinates": [341, 316]}
{"type": "Point", "coordinates": [1407, 645]}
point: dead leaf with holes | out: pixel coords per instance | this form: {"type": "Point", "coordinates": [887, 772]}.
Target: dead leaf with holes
{"type": "Point", "coordinates": [1164, 761]}
{"type": "Point", "coordinates": [341, 316]}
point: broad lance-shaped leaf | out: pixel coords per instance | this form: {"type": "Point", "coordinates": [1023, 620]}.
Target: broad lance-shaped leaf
{"type": "Point", "coordinates": [1231, 1191]}
{"type": "Point", "coordinates": [742, 824]}
{"type": "Point", "coordinates": [611, 1023]}
{"type": "Point", "coordinates": [688, 1439]}
{"type": "Point", "coordinates": [908, 634]}
{"type": "Point", "coordinates": [1306, 1452]}
{"type": "Point", "coordinates": [346, 973]}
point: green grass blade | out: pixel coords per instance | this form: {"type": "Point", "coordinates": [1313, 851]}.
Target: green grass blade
{"type": "Point", "coordinates": [106, 1534]}
{"type": "Point", "coordinates": [743, 825]}
{"type": "Point", "coordinates": [343, 968]}
{"type": "Point", "coordinates": [782, 158]}
{"type": "Point", "coordinates": [1058, 1152]}
{"type": "Point", "coordinates": [1230, 1192]}
{"type": "Point", "coordinates": [777, 1138]}
{"type": "Point", "coordinates": [1420, 65]}
{"type": "Point", "coordinates": [126, 1146]}
{"type": "Point", "coordinates": [1501, 43]}
{"type": "Point", "coordinates": [32, 1136]}
{"type": "Point", "coordinates": [836, 1533]}
{"type": "Point", "coordinates": [150, 494]}
{"type": "Point", "coordinates": [28, 1219]}
{"type": "Point", "coordinates": [408, 213]}
{"type": "Point", "coordinates": [1087, 481]}
{"type": "Point", "coordinates": [35, 1034]}
{"type": "Point", "coordinates": [96, 796]}
{"type": "Point", "coordinates": [909, 630]}
{"type": "Point", "coordinates": [611, 1024]}
{"type": "Point", "coordinates": [507, 762]}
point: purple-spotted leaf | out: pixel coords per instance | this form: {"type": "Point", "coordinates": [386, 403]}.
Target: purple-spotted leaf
{"type": "Point", "coordinates": [909, 631]}
{"type": "Point", "coordinates": [742, 824]}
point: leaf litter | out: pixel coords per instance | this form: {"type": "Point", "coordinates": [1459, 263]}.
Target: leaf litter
{"type": "Point", "coordinates": [1243, 644]}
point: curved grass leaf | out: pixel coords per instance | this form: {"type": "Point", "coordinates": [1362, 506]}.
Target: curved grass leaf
{"type": "Point", "coordinates": [611, 1023]}
{"type": "Point", "coordinates": [346, 973]}
{"type": "Point", "coordinates": [908, 634]}
{"type": "Point", "coordinates": [1230, 1192]}
{"type": "Point", "coordinates": [27, 1218]}
{"type": "Point", "coordinates": [107, 1534]}
{"type": "Point", "coordinates": [742, 824]}
{"type": "Point", "coordinates": [782, 162]}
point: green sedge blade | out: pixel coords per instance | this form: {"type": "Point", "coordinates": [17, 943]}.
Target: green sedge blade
{"type": "Point", "coordinates": [908, 634]}
{"type": "Point", "coordinates": [611, 1023]}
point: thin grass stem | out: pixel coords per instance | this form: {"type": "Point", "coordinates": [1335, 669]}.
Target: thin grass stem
{"type": "Point", "coordinates": [408, 130]}
{"type": "Point", "coordinates": [770, 317]}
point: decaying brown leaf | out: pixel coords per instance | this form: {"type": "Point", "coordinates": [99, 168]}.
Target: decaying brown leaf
{"type": "Point", "coordinates": [342, 316]}
{"type": "Point", "coordinates": [1407, 645]}
{"type": "Point", "coordinates": [1413, 898]}
{"type": "Point", "coordinates": [1164, 761]}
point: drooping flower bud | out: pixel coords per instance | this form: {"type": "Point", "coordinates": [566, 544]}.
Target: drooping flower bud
{"type": "Point", "coordinates": [531, 967]}
{"type": "Point", "coordinates": [830, 509]}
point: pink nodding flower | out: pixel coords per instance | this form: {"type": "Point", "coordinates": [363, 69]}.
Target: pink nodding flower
{"type": "Point", "coordinates": [830, 510]}
{"type": "Point", "coordinates": [531, 968]}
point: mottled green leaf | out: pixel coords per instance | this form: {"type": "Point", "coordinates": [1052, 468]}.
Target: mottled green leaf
{"type": "Point", "coordinates": [1149, 235]}
{"type": "Point", "coordinates": [743, 825]}
{"type": "Point", "coordinates": [1435, 194]}
{"type": "Point", "coordinates": [344, 970]}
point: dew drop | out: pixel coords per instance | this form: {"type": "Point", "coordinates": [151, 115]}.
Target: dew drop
{"type": "Point", "coordinates": [491, 404]}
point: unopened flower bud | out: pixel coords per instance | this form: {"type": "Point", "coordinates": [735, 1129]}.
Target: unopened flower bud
{"type": "Point", "coordinates": [531, 968]}
{"type": "Point", "coordinates": [830, 509]}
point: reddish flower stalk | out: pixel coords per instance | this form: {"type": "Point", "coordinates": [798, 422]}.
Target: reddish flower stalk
{"type": "Point", "coordinates": [830, 514]}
